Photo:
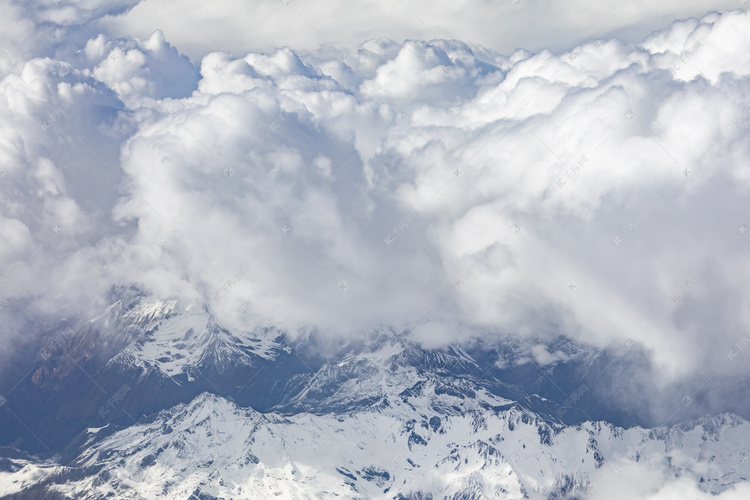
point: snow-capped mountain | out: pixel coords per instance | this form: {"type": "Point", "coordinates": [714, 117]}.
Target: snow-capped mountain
{"type": "Point", "coordinates": [137, 356]}
{"type": "Point", "coordinates": [179, 341]}
{"type": "Point", "coordinates": [211, 448]}
{"type": "Point", "coordinates": [155, 399]}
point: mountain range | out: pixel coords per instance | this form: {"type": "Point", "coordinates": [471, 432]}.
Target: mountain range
{"type": "Point", "coordinates": [155, 399]}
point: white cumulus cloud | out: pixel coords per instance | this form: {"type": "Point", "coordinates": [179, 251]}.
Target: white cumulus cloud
{"type": "Point", "coordinates": [595, 190]}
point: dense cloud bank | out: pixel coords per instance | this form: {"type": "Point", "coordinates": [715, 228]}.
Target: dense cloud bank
{"type": "Point", "coordinates": [238, 27]}
{"type": "Point", "coordinates": [599, 193]}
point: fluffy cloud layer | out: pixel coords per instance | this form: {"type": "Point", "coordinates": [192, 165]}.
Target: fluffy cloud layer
{"type": "Point", "coordinates": [636, 481]}
{"type": "Point", "coordinates": [598, 193]}
{"type": "Point", "coordinates": [238, 27]}
{"type": "Point", "coordinates": [438, 186]}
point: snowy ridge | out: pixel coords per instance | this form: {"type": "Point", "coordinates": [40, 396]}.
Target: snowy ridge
{"type": "Point", "coordinates": [212, 447]}
{"type": "Point", "coordinates": [17, 474]}
{"type": "Point", "coordinates": [175, 339]}
{"type": "Point", "coordinates": [389, 370]}
{"type": "Point", "coordinates": [382, 417]}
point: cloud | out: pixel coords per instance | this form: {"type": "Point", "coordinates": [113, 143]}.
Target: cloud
{"type": "Point", "coordinates": [633, 480]}
{"type": "Point", "coordinates": [60, 171]}
{"type": "Point", "coordinates": [136, 70]}
{"type": "Point", "coordinates": [596, 191]}
{"type": "Point", "coordinates": [542, 355]}
{"type": "Point", "coordinates": [238, 27]}
{"type": "Point", "coordinates": [12, 50]}
{"type": "Point", "coordinates": [66, 13]}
